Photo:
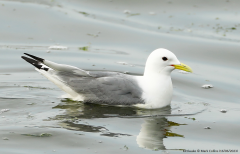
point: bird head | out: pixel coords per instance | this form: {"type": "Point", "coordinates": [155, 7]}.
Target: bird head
{"type": "Point", "coordinates": [163, 61]}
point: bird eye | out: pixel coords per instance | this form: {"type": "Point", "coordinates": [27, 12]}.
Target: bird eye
{"type": "Point", "coordinates": [164, 58]}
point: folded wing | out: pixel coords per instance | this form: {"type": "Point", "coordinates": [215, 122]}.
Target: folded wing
{"type": "Point", "coordinates": [93, 86]}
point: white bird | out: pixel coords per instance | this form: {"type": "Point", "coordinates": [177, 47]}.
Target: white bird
{"type": "Point", "coordinates": [152, 90]}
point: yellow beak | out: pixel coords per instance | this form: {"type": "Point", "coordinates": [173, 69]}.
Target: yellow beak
{"type": "Point", "coordinates": [183, 67]}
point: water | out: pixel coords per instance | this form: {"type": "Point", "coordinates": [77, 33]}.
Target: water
{"type": "Point", "coordinates": [99, 35]}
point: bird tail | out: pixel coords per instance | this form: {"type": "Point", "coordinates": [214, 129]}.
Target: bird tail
{"type": "Point", "coordinates": [52, 71]}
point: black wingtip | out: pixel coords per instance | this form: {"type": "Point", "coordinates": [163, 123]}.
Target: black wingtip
{"type": "Point", "coordinates": [34, 57]}
{"type": "Point", "coordinates": [32, 61]}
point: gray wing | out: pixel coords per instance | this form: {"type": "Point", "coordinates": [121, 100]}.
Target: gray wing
{"type": "Point", "coordinates": [96, 86]}
{"type": "Point", "coordinates": [104, 87]}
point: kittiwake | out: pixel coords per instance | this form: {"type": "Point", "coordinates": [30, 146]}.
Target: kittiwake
{"type": "Point", "coordinates": [152, 90]}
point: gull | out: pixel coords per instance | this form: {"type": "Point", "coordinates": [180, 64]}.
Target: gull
{"type": "Point", "coordinates": [152, 90]}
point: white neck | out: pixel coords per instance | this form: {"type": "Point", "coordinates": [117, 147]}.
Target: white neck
{"type": "Point", "coordinates": [157, 88]}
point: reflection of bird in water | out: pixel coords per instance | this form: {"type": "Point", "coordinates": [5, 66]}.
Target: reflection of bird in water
{"type": "Point", "coordinates": [152, 90]}
{"type": "Point", "coordinates": [152, 133]}
{"type": "Point", "coordinates": [154, 130]}
{"type": "Point", "coordinates": [77, 114]}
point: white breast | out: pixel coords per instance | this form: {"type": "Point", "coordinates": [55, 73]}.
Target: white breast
{"type": "Point", "coordinates": [157, 92]}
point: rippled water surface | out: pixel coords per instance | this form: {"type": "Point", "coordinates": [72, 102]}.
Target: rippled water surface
{"type": "Point", "coordinates": [118, 35]}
